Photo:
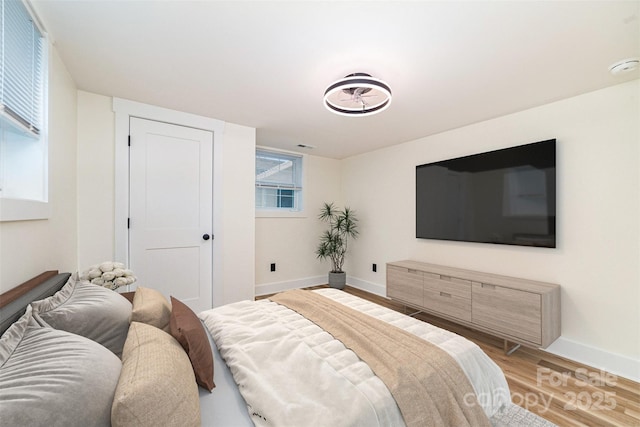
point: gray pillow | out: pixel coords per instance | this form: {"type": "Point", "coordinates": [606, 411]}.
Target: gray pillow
{"type": "Point", "coordinates": [89, 310]}
{"type": "Point", "coordinates": [50, 377]}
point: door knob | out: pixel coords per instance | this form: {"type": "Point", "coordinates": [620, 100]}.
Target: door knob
{"type": "Point", "coordinates": [206, 237]}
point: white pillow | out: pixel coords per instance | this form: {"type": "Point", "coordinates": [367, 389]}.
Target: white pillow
{"type": "Point", "coordinates": [89, 310]}
{"type": "Point", "coordinates": [52, 377]}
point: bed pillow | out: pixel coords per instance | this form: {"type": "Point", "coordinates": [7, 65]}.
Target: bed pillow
{"type": "Point", "coordinates": [151, 307]}
{"type": "Point", "coordinates": [157, 385]}
{"type": "Point", "coordinates": [187, 329]}
{"type": "Point", "coordinates": [50, 376]}
{"type": "Point", "coordinates": [128, 296]}
{"type": "Point", "coordinates": [89, 310]}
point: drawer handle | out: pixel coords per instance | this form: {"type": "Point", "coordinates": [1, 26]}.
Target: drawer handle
{"type": "Point", "coordinates": [411, 271]}
{"type": "Point", "coordinates": [445, 277]}
{"type": "Point", "coordinates": [444, 294]}
{"type": "Point", "coordinates": [488, 286]}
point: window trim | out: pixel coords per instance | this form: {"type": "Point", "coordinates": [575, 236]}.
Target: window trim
{"type": "Point", "coordinates": [283, 213]}
{"type": "Point", "coordinates": [23, 210]}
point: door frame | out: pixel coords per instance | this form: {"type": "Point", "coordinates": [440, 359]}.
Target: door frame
{"type": "Point", "coordinates": [124, 110]}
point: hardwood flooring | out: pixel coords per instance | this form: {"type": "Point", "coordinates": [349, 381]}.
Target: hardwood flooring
{"type": "Point", "coordinates": [564, 392]}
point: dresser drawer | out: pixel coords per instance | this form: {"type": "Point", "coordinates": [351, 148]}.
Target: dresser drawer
{"type": "Point", "coordinates": [405, 285]}
{"type": "Point", "coordinates": [447, 284]}
{"type": "Point", "coordinates": [448, 295]}
{"type": "Point", "coordinates": [448, 304]}
{"type": "Point", "coordinates": [508, 311]}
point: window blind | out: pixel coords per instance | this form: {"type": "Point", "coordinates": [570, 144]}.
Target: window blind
{"type": "Point", "coordinates": [21, 67]}
{"type": "Point", "coordinates": [278, 170]}
{"type": "Point", "coordinates": [278, 181]}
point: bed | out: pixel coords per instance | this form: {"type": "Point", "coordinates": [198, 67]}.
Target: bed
{"type": "Point", "coordinates": [271, 365]}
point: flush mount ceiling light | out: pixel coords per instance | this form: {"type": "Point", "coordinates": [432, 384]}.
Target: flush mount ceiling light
{"type": "Point", "coordinates": [624, 66]}
{"type": "Point", "coordinates": [358, 94]}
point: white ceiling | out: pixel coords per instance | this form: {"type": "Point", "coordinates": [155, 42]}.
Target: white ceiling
{"type": "Point", "coordinates": [266, 64]}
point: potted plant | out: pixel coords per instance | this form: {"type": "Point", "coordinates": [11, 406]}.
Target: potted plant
{"type": "Point", "coordinates": [333, 242]}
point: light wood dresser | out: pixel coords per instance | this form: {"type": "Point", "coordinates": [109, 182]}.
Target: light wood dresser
{"type": "Point", "coordinates": [521, 311]}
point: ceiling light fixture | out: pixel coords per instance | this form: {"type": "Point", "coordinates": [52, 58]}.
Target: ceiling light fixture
{"type": "Point", "coordinates": [624, 66]}
{"type": "Point", "coordinates": [357, 94]}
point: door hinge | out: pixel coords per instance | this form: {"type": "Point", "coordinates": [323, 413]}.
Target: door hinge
{"type": "Point", "coordinates": [129, 140]}
{"type": "Point", "coordinates": [128, 222]}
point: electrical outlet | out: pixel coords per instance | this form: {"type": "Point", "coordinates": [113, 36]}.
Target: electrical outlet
{"type": "Point", "coordinates": [374, 268]}
{"type": "Point", "coordinates": [273, 266]}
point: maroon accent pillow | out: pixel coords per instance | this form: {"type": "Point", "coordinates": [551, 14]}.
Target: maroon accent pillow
{"type": "Point", "coordinates": [188, 330]}
{"type": "Point", "coordinates": [128, 296]}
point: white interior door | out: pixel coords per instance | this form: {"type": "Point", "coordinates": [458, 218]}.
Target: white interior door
{"type": "Point", "coordinates": [170, 210]}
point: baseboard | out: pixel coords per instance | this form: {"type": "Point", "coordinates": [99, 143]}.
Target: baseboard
{"type": "Point", "coordinates": [275, 287]}
{"type": "Point", "coordinates": [374, 288]}
{"type": "Point", "coordinates": [613, 363]}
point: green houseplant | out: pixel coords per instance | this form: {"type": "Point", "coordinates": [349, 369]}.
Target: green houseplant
{"type": "Point", "coordinates": [343, 225]}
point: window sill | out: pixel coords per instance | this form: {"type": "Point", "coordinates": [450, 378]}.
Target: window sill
{"type": "Point", "coordinates": [23, 210]}
{"type": "Point", "coordinates": [269, 213]}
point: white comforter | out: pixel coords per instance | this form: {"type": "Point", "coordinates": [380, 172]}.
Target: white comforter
{"type": "Point", "coordinates": [292, 373]}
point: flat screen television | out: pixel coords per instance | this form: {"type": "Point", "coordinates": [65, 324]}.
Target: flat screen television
{"type": "Point", "coordinates": [505, 197]}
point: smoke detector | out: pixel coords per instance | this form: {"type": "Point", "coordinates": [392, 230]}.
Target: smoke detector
{"type": "Point", "coordinates": [624, 66]}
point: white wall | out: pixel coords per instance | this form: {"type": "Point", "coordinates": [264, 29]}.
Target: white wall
{"type": "Point", "coordinates": [27, 248]}
{"type": "Point", "coordinates": [234, 157]}
{"type": "Point", "coordinates": [96, 179]}
{"type": "Point", "coordinates": [233, 215]}
{"type": "Point", "coordinates": [290, 242]}
{"type": "Point", "coordinates": [598, 254]}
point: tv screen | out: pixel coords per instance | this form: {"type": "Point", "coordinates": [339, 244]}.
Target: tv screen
{"type": "Point", "coordinates": [505, 196]}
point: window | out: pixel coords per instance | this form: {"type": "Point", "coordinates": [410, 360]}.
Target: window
{"type": "Point", "coordinates": [23, 100]}
{"type": "Point", "coordinates": [278, 181]}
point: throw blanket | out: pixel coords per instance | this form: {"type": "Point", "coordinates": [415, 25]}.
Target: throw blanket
{"type": "Point", "coordinates": [427, 384]}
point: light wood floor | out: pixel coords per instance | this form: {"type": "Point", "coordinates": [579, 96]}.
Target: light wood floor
{"type": "Point", "coordinates": [565, 392]}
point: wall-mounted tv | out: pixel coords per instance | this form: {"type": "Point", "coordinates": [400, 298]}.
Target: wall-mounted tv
{"type": "Point", "coordinates": [505, 197]}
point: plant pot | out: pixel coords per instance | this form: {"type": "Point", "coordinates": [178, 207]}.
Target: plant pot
{"type": "Point", "coordinates": [337, 280]}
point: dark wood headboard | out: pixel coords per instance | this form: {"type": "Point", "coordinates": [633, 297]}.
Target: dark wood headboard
{"type": "Point", "coordinates": [14, 302]}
